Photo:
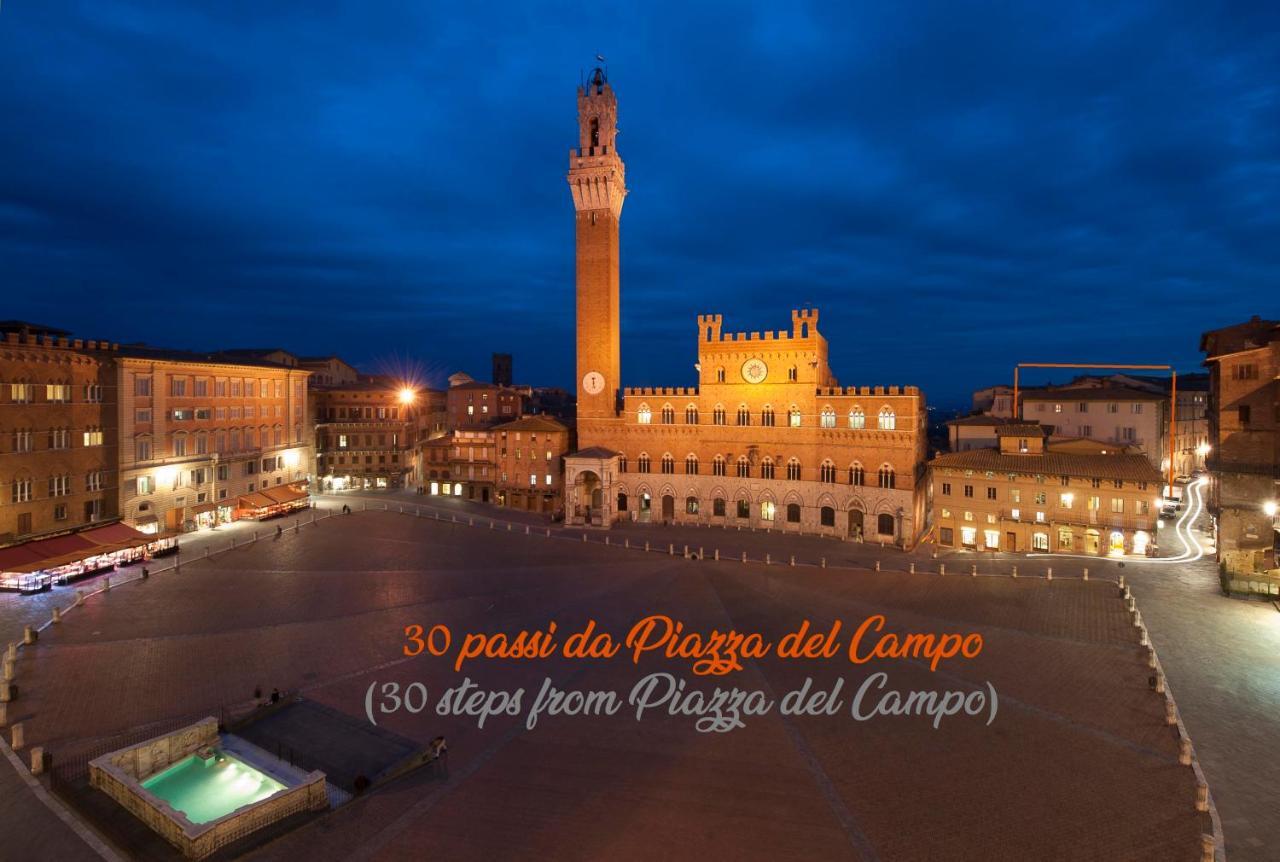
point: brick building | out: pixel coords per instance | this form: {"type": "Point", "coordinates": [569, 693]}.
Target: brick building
{"type": "Point", "coordinates": [201, 433]}
{"type": "Point", "coordinates": [530, 462]}
{"type": "Point", "coordinates": [1244, 440]}
{"type": "Point", "coordinates": [1031, 495]}
{"type": "Point", "coordinates": [767, 438]}
{"type": "Point", "coordinates": [472, 405]}
{"type": "Point", "coordinates": [58, 432]}
{"type": "Point", "coordinates": [366, 432]}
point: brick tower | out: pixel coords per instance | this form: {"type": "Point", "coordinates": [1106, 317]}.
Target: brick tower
{"type": "Point", "coordinates": [597, 181]}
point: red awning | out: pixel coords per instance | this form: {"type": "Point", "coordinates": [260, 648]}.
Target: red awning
{"type": "Point", "coordinates": [71, 548]}
{"type": "Point", "coordinates": [284, 494]}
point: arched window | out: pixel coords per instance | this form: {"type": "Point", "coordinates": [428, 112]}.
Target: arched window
{"type": "Point", "coordinates": [691, 464]}
{"type": "Point", "coordinates": [744, 469]}
{"type": "Point", "coordinates": [857, 476]}
{"type": "Point", "coordinates": [642, 463]}
{"type": "Point", "coordinates": [884, 524]}
{"type": "Point", "coordinates": [887, 420]}
{"type": "Point", "coordinates": [668, 463]}
{"type": "Point", "coordinates": [644, 415]}
{"type": "Point", "coordinates": [857, 419]}
{"type": "Point", "coordinates": [717, 466]}
{"type": "Point", "coordinates": [793, 416]}
{"type": "Point", "coordinates": [766, 416]}
{"type": "Point", "coordinates": [828, 472]}
{"type": "Point", "coordinates": [691, 505]}
{"type": "Point", "coordinates": [717, 415]}
{"type": "Point", "coordinates": [793, 470]}
{"type": "Point", "coordinates": [622, 463]}
{"type": "Point", "coordinates": [793, 513]}
{"type": "Point", "coordinates": [766, 468]}
{"type": "Point", "coordinates": [691, 415]}
{"type": "Point", "coordinates": [668, 415]}
{"type": "Point", "coordinates": [827, 516]}
{"type": "Point", "coordinates": [828, 417]}
{"type": "Point", "coordinates": [622, 501]}
{"type": "Point", "coordinates": [744, 415]}
{"type": "Point", "coordinates": [792, 374]}
{"type": "Point", "coordinates": [720, 375]}
{"type": "Point", "coordinates": [886, 476]}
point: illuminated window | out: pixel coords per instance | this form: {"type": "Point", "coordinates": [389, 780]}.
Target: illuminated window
{"type": "Point", "coordinates": [644, 415]}
{"type": "Point", "coordinates": [767, 509]}
{"type": "Point", "coordinates": [888, 421]}
{"type": "Point", "coordinates": [857, 419]}
{"type": "Point", "coordinates": [1040, 541]}
{"type": "Point", "coordinates": [828, 419]}
{"type": "Point", "coordinates": [793, 416]}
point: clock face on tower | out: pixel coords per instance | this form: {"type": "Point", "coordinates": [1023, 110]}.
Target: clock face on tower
{"type": "Point", "coordinates": [593, 382]}
{"type": "Point", "coordinates": [754, 370]}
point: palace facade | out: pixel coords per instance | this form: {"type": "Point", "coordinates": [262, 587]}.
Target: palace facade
{"type": "Point", "coordinates": [768, 438]}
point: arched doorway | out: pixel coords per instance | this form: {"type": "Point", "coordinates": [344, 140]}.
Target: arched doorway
{"type": "Point", "coordinates": [855, 523]}
{"type": "Point", "coordinates": [646, 507]}
{"type": "Point", "coordinates": [668, 507]}
{"type": "Point", "coordinates": [588, 498]}
{"type": "Point", "coordinates": [1092, 542]}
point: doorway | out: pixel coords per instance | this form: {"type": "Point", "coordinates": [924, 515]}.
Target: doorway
{"type": "Point", "coordinates": [668, 507]}
{"type": "Point", "coordinates": [855, 523]}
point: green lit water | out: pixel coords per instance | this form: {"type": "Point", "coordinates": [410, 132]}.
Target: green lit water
{"type": "Point", "coordinates": [206, 790]}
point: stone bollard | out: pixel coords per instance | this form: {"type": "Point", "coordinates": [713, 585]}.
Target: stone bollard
{"type": "Point", "coordinates": [877, 565]}
{"type": "Point", "coordinates": [1143, 640]}
{"type": "Point", "coordinates": [1122, 585]}
{"type": "Point", "coordinates": [548, 532]}
{"type": "Point", "coordinates": [646, 547]}
{"type": "Point", "coordinates": [584, 537]}
{"type": "Point", "coordinates": [11, 653]}
{"type": "Point", "coordinates": [824, 562]}
{"type": "Point", "coordinates": [973, 570]}
{"type": "Point", "coordinates": [606, 540]}
{"type": "Point", "coordinates": [106, 583]}
{"type": "Point", "coordinates": [4, 714]}
{"type": "Point", "coordinates": [1015, 571]}
{"type": "Point", "coordinates": [29, 635]}
{"type": "Point", "coordinates": [717, 555]}
{"type": "Point", "coordinates": [744, 556]}
{"type": "Point", "coordinates": [1085, 575]}
{"type": "Point", "coordinates": [671, 549]}
{"type": "Point", "coordinates": [19, 736]}
{"type": "Point", "coordinates": [768, 559]}
{"type": "Point", "coordinates": [37, 760]}
{"type": "Point", "coordinates": [509, 526]}
{"type": "Point", "coordinates": [1202, 796]}
{"type": "Point", "coordinates": [912, 568]}
{"type": "Point", "coordinates": [702, 553]}
{"type": "Point", "coordinates": [491, 525]}
{"type": "Point", "coordinates": [206, 552]}
{"type": "Point", "coordinates": [942, 568]}
{"type": "Point", "coordinates": [686, 552]}
{"type": "Point", "coordinates": [1170, 712]}
{"type": "Point", "coordinates": [10, 670]}
{"type": "Point", "coordinates": [1128, 594]}
{"type": "Point", "coordinates": [1137, 620]}
{"type": "Point", "coordinates": [1048, 574]}
{"type": "Point", "coordinates": [1184, 750]}
{"type": "Point", "coordinates": [8, 692]}
{"type": "Point", "coordinates": [1159, 683]}
{"type": "Point", "coordinates": [793, 559]}
{"type": "Point", "coordinates": [1207, 849]}
{"type": "Point", "coordinates": [1131, 605]}
{"type": "Point", "coordinates": [471, 522]}
{"type": "Point", "coordinates": [626, 543]}
{"type": "Point", "coordinates": [57, 616]}
{"type": "Point", "coordinates": [526, 529]}
{"type": "Point", "coordinates": [79, 597]}
{"type": "Point", "coordinates": [1151, 657]}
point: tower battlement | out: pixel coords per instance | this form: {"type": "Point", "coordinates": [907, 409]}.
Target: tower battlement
{"type": "Point", "coordinates": [804, 326]}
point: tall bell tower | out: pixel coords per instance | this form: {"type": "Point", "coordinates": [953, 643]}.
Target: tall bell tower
{"type": "Point", "coordinates": [597, 181]}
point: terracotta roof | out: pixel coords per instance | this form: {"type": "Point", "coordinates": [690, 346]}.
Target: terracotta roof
{"type": "Point", "coordinates": [1021, 429]}
{"type": "Point", "coordinates": [1091, 393]}
{"type": "Point", "coordinates": [1133, 468]}
{"type": "Point", "coordinates": [532, 423]}
{"type": "Point", "coordinates": [593, 452]}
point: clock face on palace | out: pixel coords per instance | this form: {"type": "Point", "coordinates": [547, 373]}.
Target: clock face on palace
{"type": "Point", "coordinates": [593, 382]}
{"type": "Point", "coordinates": [754, 370]}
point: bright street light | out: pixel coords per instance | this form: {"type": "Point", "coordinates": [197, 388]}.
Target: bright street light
{"type": "Point", "coordinates": [1269, 508]}
{"type": "Point", "coordinates": [407, 395]}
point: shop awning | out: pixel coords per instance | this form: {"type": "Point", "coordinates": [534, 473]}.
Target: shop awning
{"type": "Point", "coordinates": [201, 508]}
{"type": "Point", "coordinates": [256, 500]}
{"type": "Point", "coordinates": [71, 548]}
{"type": "Point", "coordinates": [284, 494]}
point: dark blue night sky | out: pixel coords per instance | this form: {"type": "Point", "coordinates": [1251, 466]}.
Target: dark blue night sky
{"type": "Point", "coordinates": [956, 187]}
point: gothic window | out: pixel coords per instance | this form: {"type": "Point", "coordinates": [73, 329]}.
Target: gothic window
{"type": "Point", "coordinates": [691, 415]}
{"type": "Point", "coordinates": [717, 415]}
{"type": "Point", "coordinates": [793, 513]}
{"type": "Point", "coordinates": [668, 415]}
{"type": "Point", "coordinates": [828, 516]}
{"type": "Point", "coordinates": [857, 419]}
{"type": "Point", "coordinates": [766, 468]}
{"type": "Point", "coordinates": [884, 525]}
{"type": "Point", "coordinates": [793, 416]}
{"type": "Point", "coordinates": [644, 415]}
{"type": "Point", "coordinates": [691, 464]}
{"type": "Point", "coordinates": [792, 374]}
{"type": "Point", "coordinates": [643, 463]}
{"type": "Point", "coordinates": [717, 466]}
{"type": "Point", "coordinates": [744, 469]}
{"type": "Point", "coordinates": [668, 463]}
{"type": "Point", "coordinates": [744, 415]}
{"type": "Point", "coordinates": [886, 476]}
{"type": "Point", "coordinates": [828, 472]}
{"type": "Point", "coordinates": [691, 505]}
{"type": "Point", "coordinates": [793, 470]}
{"type": "Point", "coordinates": [719, 375]}
{"type": "Point", "coordinates": [887, 420]}
{"type": "Point", "coordinates": [856, 475]}
{"type": "Point", "coordinates": [622, 463]}
{"type": "Point", "coordinates": [766, 417]}
{"type": "Point", "coordinates": [828, 417]}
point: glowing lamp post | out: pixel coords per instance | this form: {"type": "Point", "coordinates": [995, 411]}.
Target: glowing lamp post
{"type": "Point", "coordinates": [1269, 508]}
{"type": "Point", "coordinates": [407, 396]}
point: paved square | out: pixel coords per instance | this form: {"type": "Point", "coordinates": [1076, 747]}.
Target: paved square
{"type": "Point", "coordinates": [1078, 764]}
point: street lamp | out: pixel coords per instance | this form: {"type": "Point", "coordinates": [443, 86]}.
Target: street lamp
{"type": "Point", "coordinates": [407, 395]}
{"type": "Point", "coordinates": [1269, 508]}
{"type": "Point", "coordinates": [1203, 449]}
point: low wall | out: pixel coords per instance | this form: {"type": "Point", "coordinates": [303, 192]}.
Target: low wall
{"type": "Point", "coordinates": [120, 773]}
